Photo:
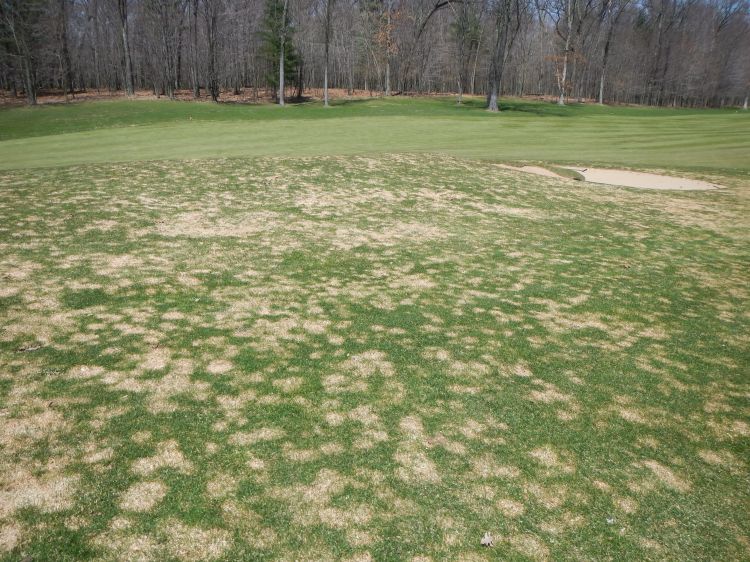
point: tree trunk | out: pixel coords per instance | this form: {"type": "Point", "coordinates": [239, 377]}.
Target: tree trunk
{"type": "Point", "coordinates": [605, 59]}
{"type": "Point", "coordinates": [211, 21]}
{"type": "Point", "coordinates": [282, 40]}
{"type": "Point", "coordinates": [95, 43]}
{"type": "Point", "coordinates": [504, 38]}
{"type": "Point", "coordinates": [300, 80]}
{"type": "Point", "coordinates": [178, 67]}
{"type": "Point", "coordinates": [744, 105]}
{"type": "Point", "coordinates": [388, 52]}
{"type": "Point", "coordinates": [329, 7]}
{"type": "Point", "coordinates": [492, 98]}
{"type": "Point", "coordinates": [123, 10]}
{"type": "Point", "coordinates": [66, 67]}
{"type": "Point", "coordinates": [564, 73]}
{"type": "Point", "coordinates": [194, 50]}
{"type": "Point", "coordinates": [29, 82]}
{"type": "Point", "coordinates": [281, 74]}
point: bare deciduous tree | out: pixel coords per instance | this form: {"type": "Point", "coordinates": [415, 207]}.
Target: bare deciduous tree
{"type": "Point", "coordinates": [663, 52]}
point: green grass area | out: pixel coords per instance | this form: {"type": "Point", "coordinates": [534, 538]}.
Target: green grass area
{"type": "Point", "coordinates": [301, 352]}
{"type": "Point", "coordinates": [122, 131]}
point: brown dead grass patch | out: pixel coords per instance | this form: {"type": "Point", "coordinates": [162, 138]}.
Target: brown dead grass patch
{"type": "Point", "coordinates": [48, 493]}
{"type": "Point", "coordinates": [168, 455]}
{"type": "Point", "coordinates": [195, 543]}
{"type": "Point", "coordinates": [143, 496]}
{"type": "Point", "coordinates": [666, 476]}
{"type": "Point", "coordinates": [10, 536]}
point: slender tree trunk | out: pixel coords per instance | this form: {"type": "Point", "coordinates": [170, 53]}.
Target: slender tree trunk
{"type": "Point", "coordinates": [178, 67]}
{"type": "Point", "coordinates": [66, 67]}
{"type": "Point", "coordinates": [211, 22]}
{"type": "Point", "coordinates": [388, 51]}
{"type": "Point", "coordinates": [476, 60]}
{"type": "Point", "coordinates": [281, 74]}
{"type": "Point", "coordinates": [388, 76]}
{"type": "Point", "coordinates": [605, 60]}
{"type": "Point", "coordinates": [29, 82]}
{"type": "Point", "coordinates": [350, 85]}
{"type": "Point", "coordinates": [569, 32]}
{"type": "Point", "coordinates": [282, 41]}
{"type": "Point", "coordinates": [194, 49]}
{"type": "Point", "coordinates": [94, 18]}
{"type": "Point", "coordinates": [504, 37]}
{"type": "Point", "coordinates": [300, 79]}
{"type": "Point", "coordinates": [123, 10]}
{"type": "Point", "coordinates": [492, 98]}
{"type": "Point", "coordinates": [329, 8]}
{"type": "Point", "coordinates": [744, 105]}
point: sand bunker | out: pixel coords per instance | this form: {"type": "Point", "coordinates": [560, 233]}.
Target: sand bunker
{"type": "Point", "coordinates": [538, 170]}
{"type": "Point", "coordinates": [642, 180]}
{"type": "Point", "coordinates": [622, 178]}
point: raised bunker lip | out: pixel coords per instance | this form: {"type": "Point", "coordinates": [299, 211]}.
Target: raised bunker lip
{"type": "Point", "coordinates": [642, 180]}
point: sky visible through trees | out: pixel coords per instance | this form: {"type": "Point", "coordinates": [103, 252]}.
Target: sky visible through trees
{"type": "Point", "coordinates": [661, 52]}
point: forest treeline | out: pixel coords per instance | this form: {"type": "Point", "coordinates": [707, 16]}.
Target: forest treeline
{"type": "Point", "coordinates": [657, 52]}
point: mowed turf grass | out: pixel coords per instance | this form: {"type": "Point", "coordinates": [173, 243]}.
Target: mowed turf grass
{"type": "Point", "coordinates": [369, 357]}
{"type": "Point", "coordinates": [121, 131]}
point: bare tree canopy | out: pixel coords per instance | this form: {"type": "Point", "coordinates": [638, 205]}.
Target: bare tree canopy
{"type": "Point", "coordinates": [661, 52]}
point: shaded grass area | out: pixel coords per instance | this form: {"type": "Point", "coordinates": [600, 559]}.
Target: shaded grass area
{"type": "Point", "coordinates": [118, 131]}
{"type": "Point", "coordinates": [385, 356]}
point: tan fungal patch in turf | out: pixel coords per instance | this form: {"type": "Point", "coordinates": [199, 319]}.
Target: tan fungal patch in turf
{"type": "Point", "coordinates": [121, 543]}
{"type": "Point", "coordinates": [219, 367]}
{"type": "Point", "coordinates": [141, 436]}
{"type": "Point", "coordinates": [530, 546]}
{"type": "Point", "coordinates": [487, 466]}
{"type": "Point", "coordinates": [204, 225]}
{"type": "Point", "coordinates": [627, 505]}
{"type": "Point", "coordinates": [730, 429]}
{"type": "Point", "coordinates": [10, 536]}
{"type": "Point", "coordinates": [98, 456]}
{"type": "Point", "coordinates": [721, 458]}
{"type": "Point", "coordinates": [177, 381]}
{"type": "Point", "coordinates": [143, 496]}
{"type": "Point", "coordinates": [550, 497]}
{"type": "Point", "coordinates": [249, 524]}
{"type": "Point", "coordinates": [510, 508]}
{"type": "Point", "coordinates": [369, 363]}
{"type": "Point", "coordinates": [349, 238]}
{"type": "Point", "coordinates": [632, 415]}
{"type": "Point", "coordinates": [38, 422]}
{"type": "Point", "coordinates": [195, 543]}
{"type": "Point", "coordinates": [311, 504]}
{"type": "Point", "coordinates": [666, 476]}
{"type": "Point", "coordinates": [244, 438]}
{"type": "Point", "coordinates": [415, 464]}
{"type": "Point", "coordinates": [168, 455]}
{"type": "Point", "coordinates": [289, 384]}
{"type": "Point", "coordinates": [564, 523]}
{"type": "Point", "coordinates": [49, 492]}
{"type": "Point", "coordinates": [222, 485]}
{"type": "Point", "coordinates": [156, 359]}
{"type": "Point", "coordinates": [549, 458]}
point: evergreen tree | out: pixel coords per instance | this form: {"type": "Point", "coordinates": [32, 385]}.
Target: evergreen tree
{"type": "Point", "coordinates": [278, 25]}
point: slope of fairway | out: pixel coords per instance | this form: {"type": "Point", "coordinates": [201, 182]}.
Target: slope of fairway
{"type": "Point", "coordinates": [709, 141]}
{"type": "Point", "coordinates": [369, 358]}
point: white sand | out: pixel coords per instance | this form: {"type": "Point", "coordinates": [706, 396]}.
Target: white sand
{"type": "Point", "coordinates": [532, 170]}
{"type": "Point", "coordinates": [642, 180]}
